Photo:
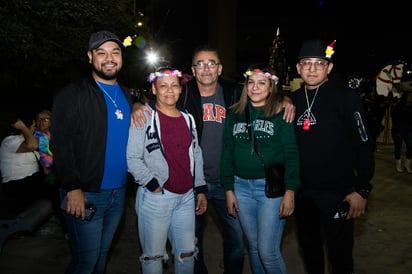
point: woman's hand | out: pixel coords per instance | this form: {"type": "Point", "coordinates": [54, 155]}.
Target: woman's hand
{"type": "Point", "coordinates": [231, 203]}
{"type": "Point", "coordinates": [287, 206]}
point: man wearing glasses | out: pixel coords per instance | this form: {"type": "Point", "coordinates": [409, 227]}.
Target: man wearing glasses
{"type": "Point", "coordinates": [207, 96]}
{"type": "Point", "coordinates": [337, 161]}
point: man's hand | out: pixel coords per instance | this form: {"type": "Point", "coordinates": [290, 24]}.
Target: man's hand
{"type": "Point", "coordinates": [76, 201]}
{"type": "Point", "coordinates": [357, 205]}
{"type": "Point", "coordinates": [138, 118]}
{"type": "Point", "coordinates": [290, 108]}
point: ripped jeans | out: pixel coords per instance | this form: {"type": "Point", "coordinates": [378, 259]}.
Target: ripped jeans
{"type": "Point", "coordinates": [163, 216]}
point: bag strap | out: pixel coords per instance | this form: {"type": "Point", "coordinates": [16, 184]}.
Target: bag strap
{"type": "Point", "coordinates": [256, 145]}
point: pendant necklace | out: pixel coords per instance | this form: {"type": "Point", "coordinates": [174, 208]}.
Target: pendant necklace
{"type": "Point", "coordinates": [306, 123]}
{"type": "Point", "coordinates": [118, 112]}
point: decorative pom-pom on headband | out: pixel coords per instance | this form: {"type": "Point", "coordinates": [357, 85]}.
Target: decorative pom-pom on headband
{"type": "Point", "coordinates": [128, 41]}
{"type": "Point", "coordinates": [259, 71]}
{"type": "Point", "coordinates": [168, 72]}
{"type": "Point", "coordinates": [329, 49]}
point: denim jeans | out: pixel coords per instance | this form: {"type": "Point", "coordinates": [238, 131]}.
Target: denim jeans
{"type": "Point", "coordinates": [91, 240]}
{"type": "Point", "coordinates": [233, 245]}
{"type": "Point", "coordinates": [161, 216]}
{"type": "Point", "coordinates": [259, 218]}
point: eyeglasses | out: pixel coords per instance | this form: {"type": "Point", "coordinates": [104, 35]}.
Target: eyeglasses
{"type": "Point", "coordinates": [201, 64]}
{"type": "Point", "coordinates": [319, 65]}
{"type": "Point", "coordinates": [42, 119]}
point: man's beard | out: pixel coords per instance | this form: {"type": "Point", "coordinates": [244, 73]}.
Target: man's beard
{"type": "Point", "coordinates": [105, 76]}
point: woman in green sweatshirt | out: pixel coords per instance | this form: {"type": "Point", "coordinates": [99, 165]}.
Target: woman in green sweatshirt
{"type": "Point", "coordinates": [243, 174]}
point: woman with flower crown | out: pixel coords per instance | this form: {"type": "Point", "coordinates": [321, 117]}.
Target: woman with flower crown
{"type": "Point", "coordinates": [243, 174]}
{"type": "Point", "coordinates": [166, 161]}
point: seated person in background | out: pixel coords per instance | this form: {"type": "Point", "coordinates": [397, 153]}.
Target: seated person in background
{"type": "Point", "coordinates": [21, 179]}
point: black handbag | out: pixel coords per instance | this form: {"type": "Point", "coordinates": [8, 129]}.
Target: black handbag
{"type": "Point", "coordinates": [274, 174]}
{"type": "Point", "coordinates": [275, 183]}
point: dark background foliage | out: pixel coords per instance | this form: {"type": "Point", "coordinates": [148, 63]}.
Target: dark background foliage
{"type": "Point", "coordinates": [44, 42]}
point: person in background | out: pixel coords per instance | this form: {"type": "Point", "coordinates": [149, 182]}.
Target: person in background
{"type": "Point", "coordinates": [90, 127]}
{"type": "Point", "coordinates": [21, 179]}
{"type": "Point", "coordinates": [165, 159]}
{"type": "Point", "coordinates": [375, 106]}
{"type": "Point", "coordinates": [402, 131]}
{"type": "Point", "coordinates": [207, 96]}
{"type": "Point", "coordinates": [336, 161]}
{"type": "Point", "coordinates": [243, 175]}
{"type": "Point", "coordinates": [42, 135]}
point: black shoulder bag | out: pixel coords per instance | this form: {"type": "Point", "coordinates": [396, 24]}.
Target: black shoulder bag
{"type": "Point", "coordinates": [274, 174]}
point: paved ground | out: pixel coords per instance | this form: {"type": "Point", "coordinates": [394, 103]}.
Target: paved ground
{"type": "Point", "coordinates": [383, 237]}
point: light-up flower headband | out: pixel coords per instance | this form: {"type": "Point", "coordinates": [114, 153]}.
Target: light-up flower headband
{"type": "Point", "coordinates": [259, 71]}
{"type": "Point", "coordinates": [168, 72]}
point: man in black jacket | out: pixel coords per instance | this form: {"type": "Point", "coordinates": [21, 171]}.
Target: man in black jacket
{"type": "Point", "coordinates": [337, 161]}
{"type": "Point", "coordinates": [207, 98]}
{"type": "Point", "coordinates": [90, 127]}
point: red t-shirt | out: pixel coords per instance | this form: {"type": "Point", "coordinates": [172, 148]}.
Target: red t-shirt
{"type": "Point", "coordinates": [176, 139]}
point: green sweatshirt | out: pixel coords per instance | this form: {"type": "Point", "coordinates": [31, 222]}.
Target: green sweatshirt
{"type": "Point", "coordinates": [277, 144]}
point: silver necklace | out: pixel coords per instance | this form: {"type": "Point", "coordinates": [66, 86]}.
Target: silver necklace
{"type": "Point", "coordinates": [118, 112]}
{"type": "Point", "coordinates": [306, 123]}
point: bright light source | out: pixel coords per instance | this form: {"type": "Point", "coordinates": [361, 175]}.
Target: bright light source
{"type": "Point", "coordinates": [152, 58]}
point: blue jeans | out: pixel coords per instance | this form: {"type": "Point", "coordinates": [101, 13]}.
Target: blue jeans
{"type": "Point", "coordinates": [161, 216]}
{"type": "Point", "coordinates": [91, 240]}
{"type": "Point", "coordinates": [259, 217]}
{"type": "Point", "coordinates": [233, 246]}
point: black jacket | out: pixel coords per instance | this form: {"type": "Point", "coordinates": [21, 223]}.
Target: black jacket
{"type": "Point", "coordinates": [336, 152]}
{"type": "Point", "coordinates": [78, 135]}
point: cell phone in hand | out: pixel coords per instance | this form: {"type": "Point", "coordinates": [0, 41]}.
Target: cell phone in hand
{"type": "Point", "coordinates": [90, 209]}
{"type": "Point", "coordinates": [342, 210]}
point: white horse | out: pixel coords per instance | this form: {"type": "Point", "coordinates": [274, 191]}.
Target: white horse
{"type": "Point", "coordinates": [391, 74]}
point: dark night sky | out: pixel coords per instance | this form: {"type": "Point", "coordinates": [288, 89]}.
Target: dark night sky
{"type": "Point", "coordinates": [368, 35]}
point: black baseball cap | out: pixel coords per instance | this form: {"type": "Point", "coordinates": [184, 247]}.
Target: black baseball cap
{"type": "Point", "coordinates": [100, 37]}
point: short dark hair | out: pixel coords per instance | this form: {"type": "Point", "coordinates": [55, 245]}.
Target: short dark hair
{"type": "Point", "coordinates": [204, 47]}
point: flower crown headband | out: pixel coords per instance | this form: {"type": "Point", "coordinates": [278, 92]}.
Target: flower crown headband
{"type": "Point", "coordinates": [167, 72]}
{"type": "Point", "coordinates": [259, 71]}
